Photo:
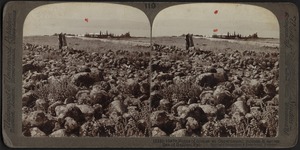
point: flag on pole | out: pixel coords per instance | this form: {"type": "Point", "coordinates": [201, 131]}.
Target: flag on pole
{"type": "Point", "coordinates": [215, 30]}
{"type": "Point", "coordinates": [86, 19]}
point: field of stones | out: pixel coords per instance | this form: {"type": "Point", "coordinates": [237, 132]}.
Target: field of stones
{"type": "Point", "coordinates": [141, 91]}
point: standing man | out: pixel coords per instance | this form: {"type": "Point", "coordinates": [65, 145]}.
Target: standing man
{"type": "Point", "coordinates": [191, 40]}
{"type": "Point", "coordinates": [187, 41]}
{"type": "Point", "coordinates": [60, 40]}
{"type": "Point", "coordinates": [64, 40]}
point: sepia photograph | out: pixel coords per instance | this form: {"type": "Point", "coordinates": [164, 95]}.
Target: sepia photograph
{"type": "Point", "coordinates": [86, 71]}
{"type": "Point", "coordinates": [215, 71]}
{"type": "Point", "coordinates": [150, 74]}
{"type": "Point", "coordinates": [90, 70]}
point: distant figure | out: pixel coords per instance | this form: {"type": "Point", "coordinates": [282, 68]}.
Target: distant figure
{"type": "Point", "coordinates": [64, 40]}
{"type": "Point", "coordinates": [60, 40]}
{"type": "Point", "coordinates": [189, 41]}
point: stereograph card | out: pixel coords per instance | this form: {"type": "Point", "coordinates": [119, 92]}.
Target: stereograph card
{"type": "Point", "coordinates": [150, 74]}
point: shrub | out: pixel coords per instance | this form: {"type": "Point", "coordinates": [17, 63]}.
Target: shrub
{"type": "Point", "coordinates": [183, 90]}
{"type": "Point", "coordinates": [58, 90]}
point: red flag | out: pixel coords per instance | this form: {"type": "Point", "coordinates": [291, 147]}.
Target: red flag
{"type": "Point", "coordinates": [216, 11]}
{"type": "Point", "coordinates": [86, 19]}
{"type": "Point", "coordinates": [215, 30]}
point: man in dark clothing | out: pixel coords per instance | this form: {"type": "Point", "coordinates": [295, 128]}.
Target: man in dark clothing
{"type": "Point", "coordinates": [191, 40]}
{"type": "Point", "coordinates": [60, 40]}
{"type": "Point", "coordinates": [64, 40]}
{"type": "Point", "coordinates": [187, 41]}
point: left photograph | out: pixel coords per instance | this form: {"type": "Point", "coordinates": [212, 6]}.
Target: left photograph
{"type": "Point", "coordinates": [86, 71]}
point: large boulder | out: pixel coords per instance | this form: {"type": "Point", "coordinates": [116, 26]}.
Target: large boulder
{"type": "Point", "coordinates": [50, 125]}
{"type": "Point", "coordinates": [182, 111]}
{"type": "Point", "coordinates": [165, 104]}
{"type": "Point", "coordinates": [41, 105]}
{"type": "Point", "coordinates": [70, 110]}
{"type": "Point", "coordinates": [223, 97]}
{"type": "Point", "coordinates": [60, 109]}
{"type": "Point", "coordinates": [158, 118]}
{"type": "Point", "coordinates": [83, 96]}
{"type": "Point", "coordinates": [52, 107]}
{"type": "Point", "coordinates": [70, 124]}
{"type": "Point", "coordinates": [29, 98]}
{"type": "Point", "coordinates": [145, 87]}
{"type": "Point", "coordinates": [164, 76]}
{"type": "Point", "coordinates": [160, 66]}
{"type": "Point", "coordinates": [36, 132]}
{"type": "Point", "coordinates": [107, 127]}
{"type": "Point", "coordinates": [35, 119]}
{"type": "Point", "coordinates": [59, 133]}
{"type": "Point", "coordinates": [207, 97]}
{"type": "Point", "coordinates": [180, 133]}
{"type": "Point", "coordinates": [206, 79]}
{"type": "Point", "coordinates": [157, 132]}
{"type": "Point", "coordinates": [133, 87]}
{"type": "Point", "coordinates": [131, 101]}
{"type": "Point", "coordinates": [191, 124]}
{"type": "Point", "coordinates": [30, 85]}
{"type": "Point", "coordinates": [98, 111]}
{"type": "Point", "coordinates": [84, 68]}
{"type": "Point", "coordinates": [221, 111]}
{"type": "Point", "coordinates": [97, 74]}
{"type": "Point", "coordinates": [99, 96]}
{"type": "Point", "coordinates": [82, 79]}
{"type": "Point", "coordinates": [195, 111]}
{"type": "Point", "coordinates": [221, 76]}
{"type": "Point", "coordinates": [270, 89]}
{"type": "Point", "coordinates": [211, 79]}
{"type": "Point", "coordinates": [102, 85]}
{"type": "Point", "coordinates": [210, 111]}
{"type": "Point", "coordinates": [39, 76]}
{"type": "Point", "coordinates": [239, 106]}
{"type": "Point", "coordinates": [155, 98]}
{"type": "Point", "coordinates": [87, 110]}
{"type": "Point", "coordinates": [117, 106]}
{"type": "Point", "coordinates": [256, 87]}
{"type": "Point", "coordinates": [174, 108]}
{"type": "Point", "coordinates": [29, 66]}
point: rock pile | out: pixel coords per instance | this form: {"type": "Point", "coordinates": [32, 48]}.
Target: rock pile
{"type": "Point", "coordinates": [75, 93]}
{"type": "Point", "coordinates": [173, 92]}
{"type": "Point", "coordinates": [208, 94]}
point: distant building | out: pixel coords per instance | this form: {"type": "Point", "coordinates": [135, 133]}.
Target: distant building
{"type": "Point", "coordinates": [234, 36]}
{"type": "Point", "coordinates": [107, 35]}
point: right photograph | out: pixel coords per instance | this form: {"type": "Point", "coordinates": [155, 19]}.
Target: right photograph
{"type": "Point", "coordinates": [215, 71]}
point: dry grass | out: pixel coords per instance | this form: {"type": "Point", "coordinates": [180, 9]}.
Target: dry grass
{"type": "Point", "coordinates": [58, 90]}
{"type": "Point", "coordinates": [183, 90]}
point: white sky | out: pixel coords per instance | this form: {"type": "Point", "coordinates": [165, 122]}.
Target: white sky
{"type": "Point", "coordinates": [69, 18]}
{"type": "Point", "coordinates": [200, 19]}
{"type": "Point", "coordinates": [176, 20]}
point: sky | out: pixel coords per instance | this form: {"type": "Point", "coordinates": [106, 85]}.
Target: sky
{"type": "Point", "coordinates": [201, 19]}
{"type": "Point", "coordinates": [70, 18]}
{"type": "Point", "coordinates": [173, 21]}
